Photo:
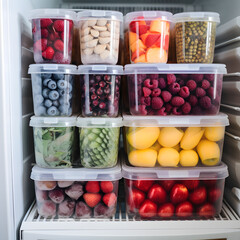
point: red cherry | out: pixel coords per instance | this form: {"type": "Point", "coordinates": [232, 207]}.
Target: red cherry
{"type": "Point", "coordinates": [214, 194]}
{"type": "Point", "coordinates": [143, 185]}
{"type": "Point", "coordinates": [184, 209]}
{"type": "Point", "coordinates": [198, 196]}
{"type": "Point", "coordinates": [157, 194]}
{"type": "Point", "coordinates": [167, 184]}
{"type": "Point", "coordinates": [206, 210]}
{"type": "Point", "coordinates": [166, 210]}
{"type": "Point", "coordinates": [190, 184]}
{"type": "Point", "coordinates": [179, 193]}
{"type": "Point", "coordinates": [135, 199]}
{"type": "Point", "coordinates": [148, 209]}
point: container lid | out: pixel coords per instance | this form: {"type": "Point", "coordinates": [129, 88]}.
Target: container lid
{"type": "Point", "coordinates": [52, 121]}
{"type": "Point", "coordinates": [76, 174]}
{"type": "Point", "coordinates": [176, 121]}
{"type": "Point", "coordinates": [55, 68]}
{"type": "Point", "coordinates": [175, 68]}
{"type": "Point", "coordinates": [148, 15]}
{"type": "Point", "coordinates": [100, 69]}
{"type": "Point", "coordinates": [52, 13]}
{"type": "Point", "coordinates": [196, 16]}
{"type": "Point", "coordinates": [99, 122]}
{"type": "Point", "coordinates": [160, 173]}
{"type": "Point", "coordinates": [113, 15]}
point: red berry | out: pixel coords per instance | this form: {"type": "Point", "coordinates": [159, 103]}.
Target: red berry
{"type": "Point", "coordinates": [166, 210]}
{"type": "Point", "coordinates": [171, 78]}
{"type": "Point", "coordinates": [45, 22]}
{"type": "Point", "coordinates": [184, 209]}
{"type": "Point", "coordinates": [184, 92]}
{"type": "Point", "coordinates": [44, 33]}
{"type": "Point", "coordinates": [151, 83]}
{"type": "Point", "coordinates": [168, 108]}
{"type": "Point", "coordinates": [58, 45]}
{"type": "Point", "coordinates": [142, 109]}
{"type": "Point", "coordinates": [146, 91]}
{"type": "Point", "coordinates": [205, 102]}
{"type": "Point", "coordinates": [162, 83]}
{"type": "Point", "coordinates": [186, 108]}
{"type": "Point", "coordinates": [210, 77]}
{"type": "Point", "coordinates": [157, 194]}
{"type": "Point", "coordinates": [205, 84]}
{"type": "Point", "coordinates": [58, 57]}
{"type": "Point", "coordinates": [206, 210]}
{"type": "Point", "coordinates": [179, 193]}
{"type": "Point", "coordinates": [48, 53]}
{"type": "Point", "coordinates": [145, 101]}
{"type": "Point", "coordinates": [167, 96]}
{"type": "Point", "coordinates": [193, 100]}
{"type": "Point", "coordinates": [106, 186]}
{"type": "Point", "coordinates": [177, 101]}
{"type": "Point", "coordinates": [157, 102]}
{"type": "Point", "coordinates": [110, 199]}
{"type": "Point", "coordinates": [161, 112]}
{"type": "Point", "coordinates": [53, 36]}
{"type": "Point", "coordinates": [92, 187]}
{"type": "Point", "coordinates": [176, 111]}
{"type": "Point", "coordinates": [102, 105]}
{"type": "Point", "coordinates": [197, 77]}
{"type": "Point", "coordinates": [143, 185]}
{"type": "Point", "coordinates": [92, 199]}
{"type": "Point", "coordinates": [200, 92]}
{"type": "Point", "coordinates": [62, 35]}
{"type": "Point", "coordinates": [40, 45]}
{"type": "Point", "coordinates": [174, 88]}
{"type": "Point", "coordinates": [198, 196]}
{"type": "Point", "coordinates": [191, 84]}
{"type": "Point", "coordinates": [59, 25]}
{"type": "Point", "coordinates": [156, 92]}
{"type": "Point", "coordinates": [148, 209]}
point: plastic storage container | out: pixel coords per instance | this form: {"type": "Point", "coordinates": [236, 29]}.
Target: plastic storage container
{"type": "Point", "coordinates": [195, 36]}
{"type": "Point", "coordinates": [52, 87]}
{"type": "Point", "coordinates": [178, 89]}
{"type": "Point", "coordinates": [54, 141]}
{"type": "Point", "coordinates": [76, 193]}
{"type": "Point", "coordinates": [100, 86]}
{"type": "Point", "coordinates": [52, 31]}
{"type": "Point", "coordinates": [174, 141]}
{"type": "Point", "coordinates": [99, 36]}
{"type": "Point", "coordinates": [148, 36]}
{"type": "Point", "coordinates": [189, 193]}
{"type": "Point", "coordinates": [99, 138]}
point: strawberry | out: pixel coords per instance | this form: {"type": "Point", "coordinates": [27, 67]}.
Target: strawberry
{"type": "Point", "coordinates": [40, 45]}
{"type": "Point", "coordinates": [59, 25]}
{"type": "Point", "coordinates": [106, 186]}
{"type": "Point", "coordinates": [58, 45]}
{"type": "Point", "coordinates": [53, 36]}
{"type": "Point", "coordinates": [92, 199]}
{"type": "Point", "coordinates": [45, 22]}
{"type": "Point", "coordinates": [58, 58]}
{"type": "Point", "coordinates": [48, 53]}
{"type": "Point", "coordinates": [62, 35]}
{"type": "Point", "coordinates": [110, 199]}
{"type": "Point", "coordinates": [44, 33]}
{"type": "Point", "coordinates": [92, 187]}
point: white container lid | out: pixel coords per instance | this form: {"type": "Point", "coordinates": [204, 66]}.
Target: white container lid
{"type": "Point", "coordinates": [196, 16]}
{"type": "Point", "coordinates": [100, 69]}
{"type": "Point", "coordinates": [99, 122]}
{"type": "Point", "coordinates": [160, 173]}
{"type": "Point", "coordinates": [52, 13]}
{"type": "Point", "coordinates": [76, 174]}
{"type": "Point", "coordinates": [175, 68]}
{"type": "Point", "coordinates": [53, 121]}
{"type": "Point", "coordinates": [176, 121]}
{"type": "Point", "coordinates": [113, 15]}
{"type": "Point", "coordinates": [52, 68]}
{"type": "Point", "coordinates": [167, 16]}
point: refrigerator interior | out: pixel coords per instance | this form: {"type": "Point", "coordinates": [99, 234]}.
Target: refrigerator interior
{"type": "Point", "coordinates": [16, 141]}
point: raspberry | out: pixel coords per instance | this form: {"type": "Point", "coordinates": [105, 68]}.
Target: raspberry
{"type": "Point", "coordinates": [157, 102]}
{"type": "Point", "coordinates": [205, 84]}
{"type": "Point", "coordinates": [181, 82]}
{"type": "Point", "coordinates": [167, 96]}
{"type": "Point", "coordinates": [200, 92]}
{"type": "Point", "coordinates": [205, 102]}
{"type": "Point", "coordinates": [45, 22]}
{"type": "Point", "coordinates": [153, 76]}
{"type": "Point", "coordinates": [177, 101]}
{"type": "Point", "coordinates": [186, 108]}
{"type": "Point", "coordinates": [168, 107]}
{"type": "Point", "coordinates": [161, 112]}
{"type": "Point", "coordinates": [211, 92]}
{"type": "Point", "coordinates": [146, 91]}
{"type": "Point", "coordinates": [154, 84]}
{"type": "Point", "coordinates": [162, 83]}
{"type": "Point", "coordinates": [171, 78]}
{"type": "Point", "coordinates": [197, 77]}
{"type": "Point", "coordinates": [210, 77]}
{"type": "Point", "coordinates": [142, 109]}
{"type": "Point", "coordinates": [193, 100]}
{"type": "Point", "coordinates": [156, 92]}
{"type": "Point", "coordinates": [184, 92]}
{"type": "Point", "coordinates": [177, 111]}
{"type": "Point", "coordinates": [191, 84]}
{"type": "Point", "coordinates": [145, 101]}
{"type": "Point", "coordinates": [150, 112]}
{"type": "Point", "coordinates": [174, 88]}
{"type": "Point", "coordinates": [48, 53]}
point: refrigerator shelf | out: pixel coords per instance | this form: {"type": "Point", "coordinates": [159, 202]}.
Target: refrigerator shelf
{"type": "Point", "coordinates": [34, 227]}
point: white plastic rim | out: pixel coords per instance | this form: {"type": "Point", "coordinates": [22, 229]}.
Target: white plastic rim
{"type": "Point", "coordinates": [99, 122]}
{"type": "Point", "coordinates": [76, 174]}
{"type": "Point", "coordinates": [110, 15]}
{"type": "Point", "coordinates": [196, 16]}
{"type": "Point", "coordinates": [100, 69]}
{"type": "Point", "coordinates": [53, 121]}
{"type": "Point", "coordinates": [52, 68]}
{"type": "Point", "coordinates": [52, 13]}
{"type": "Point", "coordinates": [175, 68]}
{"type": "Point", "coordinates": [148, 15]}
{"type": "Point", "coordinates": [176, 121]}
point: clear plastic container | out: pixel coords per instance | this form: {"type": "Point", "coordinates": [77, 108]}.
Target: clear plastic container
{"type": "Point", "coordinates": [100, 85]}
{"type": "Point", "coordinates": [178, 89]}
{"type": "Point", "coordinates": [148, 33]}
{"type": "Point", "coordinates": [54, 141]}
{"type": "Point", "coordinates": [52, 31]}
{"type": "Point", "coordinates": [174, 141]}
{"type": "Point", "coordinates": [76, 193]}
{"type": "Point", "coordinates": [99, 139]}
{"type": "Point", "coordinates": [52, 87]}
{"type": "Point", "coordinates": [195, 36]}
{"type": "Point", "coordinates": [99, 36]}
{"type": "Point", "coordinates": [173, 194]}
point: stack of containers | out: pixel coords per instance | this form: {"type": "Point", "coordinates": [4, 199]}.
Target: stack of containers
{"type": "Point", "coordinates": [73, 191]}
{"type": "Point", "coordinates": [174, 168]}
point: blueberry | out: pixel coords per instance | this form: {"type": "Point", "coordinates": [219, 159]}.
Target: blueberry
{"type": "Point", "coordinates": [54, 95]}
{"type": "Point", "coordinates": [58, 76]}
{"type": "Point", "coordinates": [48, 103]}
{"type": "Point", "coordinates": [55, 103]}
{"type": "Point", "coordinates": [40, 111]}
{"type": "Point", "coordinates": [52, 111]}
{"type": "Point", "coordinates": [62, 84]}
{"type": "Point", "coordinates": [45, 92]}
{"type": "Point", "coordinates": [69, 88]}
{"type": "Point", "coordinates": [38, 99]}
{"type": "Point", "coordinates": [52, 84]}
{"type": "Point", "coordinates": [46, 75]}
{"type": "Point", "coordinates": [46, 81]}
{"type": "Point", "coordinates": [61, 92]}
{"type": "Point", "coordinates": [61, 100]}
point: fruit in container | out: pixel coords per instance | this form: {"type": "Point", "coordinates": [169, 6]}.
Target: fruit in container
{"type": "Point", "coordinates": [156, 146]}
{"type": "Point", "coordinates": [214, 133]}
{"type": "Point", "coordinates": [188, 158]}
{"type": "Point", "coordinates": [143, 158]}
{"type": "Point", "coordinates": [170, 136]}
{"type": "Point", "coordinates": [66, 208]}
{"type": "Point", "coordinates": [168, 157]}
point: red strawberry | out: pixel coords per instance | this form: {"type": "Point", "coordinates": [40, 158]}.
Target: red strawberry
{"type": "Point", "coordinates": [92, 199]}
{"type": "Point", "coordinates": [48, 53]}
{"type": "Point", "coordinates": [143, 185]}
{"type": "Point", "coordinates": [53, 36]}
{"type": "Point", "coordinates": [107, 186]}
{"type": "Point", "coordinates": [92, 187]}
{"type": "Point", "coordinates": [45, 22]}
{"type": "Point", "coordinates": [40, 45]}
{"type": "Point", "coordinates": [44, 33]}
{"type": "Point", "coordinates": [148, 209]}
{"type": "Point", "coordinates": [110, 199]}
{"type": "Point", "coordinates": [49, 43]}
{"type": "Point", "coordinates": [58, 45]}
{"type": "Point", "coordinates": [59, 25]}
